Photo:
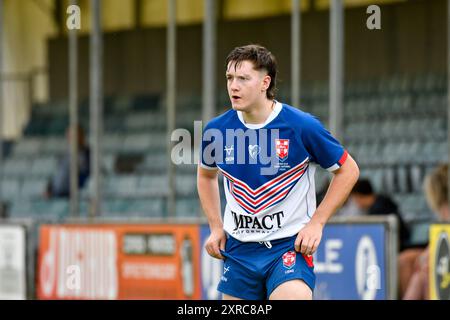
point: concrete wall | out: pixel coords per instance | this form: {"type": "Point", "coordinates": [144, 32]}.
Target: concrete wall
{"type": "Point", "coordinates": [26, 27]}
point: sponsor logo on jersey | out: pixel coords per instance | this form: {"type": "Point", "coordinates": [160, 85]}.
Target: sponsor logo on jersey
{"type": "Point", "coordinates": [289, 259]}
{"type": "Point", "coordinates": [251, 224]}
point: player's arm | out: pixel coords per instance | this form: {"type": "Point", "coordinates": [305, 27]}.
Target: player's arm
{"type": "Point", "coordinates": [208, 191]}
{"type": "Point", "coordinates": [338, 191]}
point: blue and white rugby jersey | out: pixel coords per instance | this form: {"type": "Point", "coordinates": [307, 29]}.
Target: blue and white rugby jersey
{"type": "Point", "coordinates": [278, 202]}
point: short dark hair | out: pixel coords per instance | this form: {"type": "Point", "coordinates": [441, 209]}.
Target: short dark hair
{"type": "Point", "coordinates": [363, 187]}
{"type": "Point", "coordinates": [261, 59]}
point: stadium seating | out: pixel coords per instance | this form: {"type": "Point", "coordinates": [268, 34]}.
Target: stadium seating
{"type": "Point", "coordinates": [395, 127]}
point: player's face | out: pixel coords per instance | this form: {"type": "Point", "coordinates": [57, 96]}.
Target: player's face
{"type": "Point", "coordinates": [245, 85]}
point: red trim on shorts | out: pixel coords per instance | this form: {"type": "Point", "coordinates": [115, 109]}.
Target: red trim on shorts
{"type": "Point", "coordinates": [309, 260]}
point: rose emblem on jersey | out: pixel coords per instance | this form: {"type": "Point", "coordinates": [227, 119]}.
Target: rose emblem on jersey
{"type": "Point", "coordinates": [282, 148]}
{"type": "Point", "coordinates": [289, 259]}
{"type": "Point", "coordinates": [254, 150]}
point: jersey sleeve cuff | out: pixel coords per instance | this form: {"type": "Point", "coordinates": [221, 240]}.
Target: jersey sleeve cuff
{"type": "Point", "coordinates": [340, 162]}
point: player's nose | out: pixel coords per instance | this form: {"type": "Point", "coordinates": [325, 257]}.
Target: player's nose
{"type": "Point", "coordinates": [234, 86]}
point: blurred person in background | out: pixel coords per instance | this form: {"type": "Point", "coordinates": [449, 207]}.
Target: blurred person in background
{"type": "Point", "coordinates": [413, 263]}
{"type": "Point", "coordinates": [348, 209]}
{"type": "Point", "coordinates": [371, 203]}
{"type": "Point", "coordinates": [59, 185]}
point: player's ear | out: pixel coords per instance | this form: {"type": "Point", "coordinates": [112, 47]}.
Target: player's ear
{"type": "Point", "coordinates": [266, 82]}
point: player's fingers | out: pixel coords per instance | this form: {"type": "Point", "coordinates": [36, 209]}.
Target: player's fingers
{"type": "Point", "coordinates": [310, 249]}
{"type": "Point", "coordinates": [208, 249]}
{"type": "Point", "coordinates": [216, 252]}
{"type": "Point", "coordinates": [222, 243]}
{"type": "Point", "coordinates": [298, 243]}
{"type": "Point", "coordinates": [309, 246]}
{"type": "Point", "coordinates": [211, 249]}
{"type": "Point", "coordinates": [304, 246]}
{"type": "Point", "coordinates": [315, 245]}
{"type": "Point", "coordinates": [222, 247]}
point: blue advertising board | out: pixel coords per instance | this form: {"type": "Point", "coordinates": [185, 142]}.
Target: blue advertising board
{"type": "Point", "coordinates": [350, 263]}
{"type": "Point", "coordinates": [210, 269]}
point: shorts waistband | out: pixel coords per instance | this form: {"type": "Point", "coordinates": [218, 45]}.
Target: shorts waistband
{"type": "Point", "coordinates": [270, 242]}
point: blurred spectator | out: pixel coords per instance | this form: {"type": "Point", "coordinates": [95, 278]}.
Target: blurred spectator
{"type": "Point", "coordinates": [413, 263]}
{"type": "Point", "coordinates": [3, 214]}
{"type": "Point", "coordinates": [59, 185]}
{"type": "Point", "coordinates": [348, 209]}
{"type": "Point", "coordinates": [370, 203]}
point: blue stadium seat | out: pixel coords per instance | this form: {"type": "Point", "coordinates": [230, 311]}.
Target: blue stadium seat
{"type": "Point", "coordinates": [42, 210]}
{"type": "Point", "coordinates": [33, 188]}
{"type": "Point", "coordinates": [186, 184]}
{"type": "Point", "coordinates": [114, 207]}
{"type": "Point", "coordinates": [154, 207]}
{"type": "Point", "coordinates": [10, 189]}
{"type": "Point", "coordinates": [121, 186]}
{"type": "Point", "coordinates": [54, 145]}
{"type": "Point", "coordinates": [44, 166]}
{"type": "Point", "coordinates": [188, 207]}
{"type": "Point", "coordinates": [16, 167]}
{"type": "Point", "coordinates": [154, 162]}
{"type": "Point", "coordinates": [154, 185]}
{"type": "Point", "coordinates": [27, 147]}
{"type": "Point", "coordinates": [112, 143]}
{"type": "Point", "coordinates": [158, 141]}
{"type": "Point", "coordinates": [144, 121]}
{"type": "Point", "coordinates": [138, 143]}
{"type": "Point", "coordinates": [121, 104]}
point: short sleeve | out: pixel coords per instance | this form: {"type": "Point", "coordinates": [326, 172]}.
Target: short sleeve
{"type": "Point", "coordinates": [207, 150]}
{"type": "Point", "coordinates": [323, 148]}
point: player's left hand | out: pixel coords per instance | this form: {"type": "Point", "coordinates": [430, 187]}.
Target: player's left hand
{"type": "Point", "coordinates": [308, 238]}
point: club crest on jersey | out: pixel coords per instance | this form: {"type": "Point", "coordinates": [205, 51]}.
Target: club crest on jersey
{"type": "Point", "coordinates": [282, 148]}
{"type": "Point", "coordinates": [289, 259]}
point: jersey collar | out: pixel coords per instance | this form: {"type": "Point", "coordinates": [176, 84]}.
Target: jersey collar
{"type": "Point", "coordinates": [276, 110]}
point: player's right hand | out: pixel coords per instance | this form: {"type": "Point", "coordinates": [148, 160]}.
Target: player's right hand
{"type": "Point", "coordinates": [215, 243]}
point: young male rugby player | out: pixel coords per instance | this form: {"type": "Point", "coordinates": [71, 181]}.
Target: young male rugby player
{"type": "Point", "coordinates": [271, 226]}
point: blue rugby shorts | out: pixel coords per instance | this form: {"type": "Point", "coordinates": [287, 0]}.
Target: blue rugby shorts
{"type": "Point", "coordinates": [252, 270]}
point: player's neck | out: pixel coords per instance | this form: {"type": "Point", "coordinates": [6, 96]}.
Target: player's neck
{"type": "Point", "coordinates": [259, 113]}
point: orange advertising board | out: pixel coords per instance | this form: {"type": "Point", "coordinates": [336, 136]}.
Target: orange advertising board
{"type": "Point", "coordinates": [119, 262]}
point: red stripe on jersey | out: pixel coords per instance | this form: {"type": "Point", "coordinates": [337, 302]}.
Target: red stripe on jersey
{"type": "Point", "coordinates": [270, 193]}
{"type": "Point", "coordinates": [268, 184]}
{"type": "Point", "coordinates": [343, 158]}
